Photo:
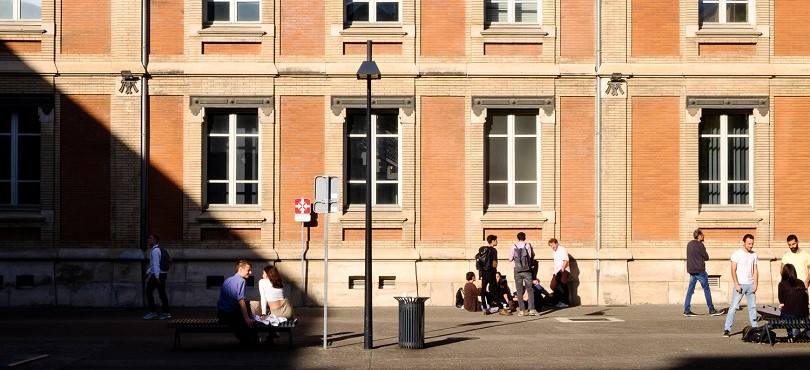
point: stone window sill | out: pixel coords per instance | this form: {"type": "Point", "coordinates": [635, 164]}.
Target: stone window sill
{"type": "Point", "coordinates": [728, 218]}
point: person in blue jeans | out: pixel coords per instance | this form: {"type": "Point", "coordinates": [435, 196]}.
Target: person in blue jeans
{"type": "Point", "coordinates": [746, 275]}
{"type": "Point", "coordinates": [696, 257]}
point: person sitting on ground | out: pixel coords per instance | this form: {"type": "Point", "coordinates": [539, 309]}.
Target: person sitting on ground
{"type": "Point", "coordinates": [793, 298]}
{"type": "Point", "coordinates": [503, 296]}
{"type": "Point", "coordinates": [272, 295]}
{"type": "Point", "coordinates": [471, 293]}
{"type": "Point", "coordinates": [542, 296]}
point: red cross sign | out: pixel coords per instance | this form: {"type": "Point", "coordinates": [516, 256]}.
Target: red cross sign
{"type": "Point", "coordinates": [303, 208]}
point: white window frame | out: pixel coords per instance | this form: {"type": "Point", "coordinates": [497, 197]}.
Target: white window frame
{"type": "Point", "coordinates": [721, 16]}
{"type": "Point", "coordinates": [374, 180]}
{"type": "Point", "coordinates": [233, 12]}
{"type": "Point", "coordinates": [724, 175]}
{"type": "Point", "coordinates": [372, 11]}
{"type": "Point", "coordinates": [511, 11]}
{"type": "Point", "coordinates": [17, 16]}
{"type": "Point", "coordinates": [232, 182]}
{"type": "Point", "coordinates": [15, 135]}
{"type": "Point", "coordinates": [511, 160]}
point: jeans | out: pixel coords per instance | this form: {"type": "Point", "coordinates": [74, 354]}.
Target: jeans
{"type": "Point", "coordinates": [523, 281]}
{"type": "Point", "coordinates": [703, 278]}
{"type": "Point", "coordinates": [160, 285]}
{"type": "Point", "coordinates": [736, 297]}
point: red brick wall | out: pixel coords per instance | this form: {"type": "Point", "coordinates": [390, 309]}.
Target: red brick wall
{"type": "Point", "coordinates": [577, 18]}
{"type": "Point", "coordinates": [513, 49]}
{"type": "Point", "coordinates": [790, 28]}
{"type": "Point", "coordinates": [656, 28]}
{"type": "Point", "coordinates": [508, 236]}
{"type": "Point", "coordinates": [576, 168]}
{"type": "Point", "coordinates": [84, 207]}
{"type": "Point", "coordinates": [655, 162]}
{"type": "Point", "coordinates": [443, 28]}
{"type": "Point", "coordinates": [86, 27]}
{"type": "Point", "coordinates": [224, 234]}
{"type": "Point", "coordinates": [229, 48]}
{"type": "Point", "coordinates": [302, 157]}
{"type": "Point", "coordinates": [376, 234]}
{"type": "Point", "coordinates": [791, 166]}
{"type": "Point", "coordinates": [166, 167]}
{"type": "Point", "coordinates": [166, 27]}
{"type": "Point", "coordinates": [20, 47]}
{"type": "Point", "coordinates": [442, 172]}
{"type": "Point", "coordinates": [383, 48]}
{"type": "Point", "coordinates": [302, 28]}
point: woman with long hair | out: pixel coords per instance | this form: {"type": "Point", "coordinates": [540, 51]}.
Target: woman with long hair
{"type": "Point", "coordinates": [793, 298]}
{"type": "Point", "coordinates": [272, 294]}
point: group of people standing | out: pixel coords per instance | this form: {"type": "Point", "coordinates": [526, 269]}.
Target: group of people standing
{"type": "Point", "coordinates": [792, 289]}
{"type": "Point", "coordinates": [493, 290]}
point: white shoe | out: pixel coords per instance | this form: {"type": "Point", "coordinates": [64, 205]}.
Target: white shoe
{"type": "Point", "coordinates": [561, 305]}
{"type": "Point", "coordinates": [494, 309]}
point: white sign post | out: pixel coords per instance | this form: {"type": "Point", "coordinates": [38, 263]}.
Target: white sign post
{"type": "Point", "coordinates": [303, 214]}
{"type": "Point", "coordinates": [327, 190]}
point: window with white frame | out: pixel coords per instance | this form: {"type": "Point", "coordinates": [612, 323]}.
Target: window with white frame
{"type": "Point", "coordinates": [726, 157]}
{"type": "Point", "coordinates": [372, 11]}
{"type": "Point", "coordinates": [385, 141]}
{"type": "Point", "coordinates": [726, 11]}
{"type": "Point", "coordinates": [232, 11]}
{"type": "Point", "coordinates": [512, 166]}
{"type": "Point", "coordinates": [232, 157]}
{"type": "Point", "coordinates": [512, 12]}
{"type": "Point", "coordinates": [20, 10]}
{"type": "Point", "coordinates": [20, 137]}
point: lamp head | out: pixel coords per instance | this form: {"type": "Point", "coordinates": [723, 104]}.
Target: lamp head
{"type": "Point", "coordinates": [368, 71]}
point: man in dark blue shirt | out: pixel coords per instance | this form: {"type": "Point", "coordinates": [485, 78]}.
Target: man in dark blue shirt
{"type": "Point", "coordinates": [232, 307]}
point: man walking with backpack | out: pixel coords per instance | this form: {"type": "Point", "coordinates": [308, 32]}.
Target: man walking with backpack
{"type": "Point", "coordinates": [522, 254]}
{"type": "Point", "coordinates": [156, 278]}
{"type": "Point", "coordinates": [487, 264]}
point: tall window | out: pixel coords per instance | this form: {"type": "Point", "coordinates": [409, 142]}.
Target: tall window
{"type": "Point", "coordinates": [19, 158]}
{"type": "Point", "coordinates": [385, 141]}
{"type": "Point", "coordinates": [512, 11]}
{"type": "Point", "coordinates": [725, 11]}
{"type": "Point", "coordinates": [726, 158]}
{"type": "Point", "coordinates": [372, 11]}
{"type": "Point", "coordinates": [232, 158]}
{"type": "Point", "coordinates": [20, 10]}
{"type": "Point", "coordinates": [512, 169]}
{"type": "Point", "coordinates": [232, 11]}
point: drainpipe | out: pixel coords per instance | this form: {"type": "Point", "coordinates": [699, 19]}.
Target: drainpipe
{"type": "Point", "coordinates": [144, 131]}
{"type": "Point", "coordinates": [598, 142]}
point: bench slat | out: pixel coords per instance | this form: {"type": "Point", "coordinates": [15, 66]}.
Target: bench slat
{"type": "Point", "coordinates": [208, 325]}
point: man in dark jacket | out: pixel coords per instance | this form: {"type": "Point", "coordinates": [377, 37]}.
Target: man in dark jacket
{"type": "Point", "coordinates": [696, 257]}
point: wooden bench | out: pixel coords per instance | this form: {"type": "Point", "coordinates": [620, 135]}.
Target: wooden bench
{"type": "Point", "coordinates": [783, 323]}
{"type": "Point", "coordinates": [215, 326]}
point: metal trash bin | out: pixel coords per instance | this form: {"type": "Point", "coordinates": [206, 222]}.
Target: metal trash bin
{"type": "Point", "coordinates": [412, 321]}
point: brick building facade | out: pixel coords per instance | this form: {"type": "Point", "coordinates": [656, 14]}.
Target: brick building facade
{"type": "Point", "coordinates": [617, 127]}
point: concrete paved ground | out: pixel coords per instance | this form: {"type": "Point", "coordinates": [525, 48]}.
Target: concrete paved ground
{"type": "Point", "coordinates": [585, 337]}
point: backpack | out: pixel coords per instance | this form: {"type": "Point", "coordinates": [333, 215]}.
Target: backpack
{"type": "Point", "coordinates": [483, 260]}
{"type": "Point", "coordinates": [165, 259]}
{"type": "Point", "coordinates": [522, 259]}
{"type": "Point", "coordinates": [756, 335]}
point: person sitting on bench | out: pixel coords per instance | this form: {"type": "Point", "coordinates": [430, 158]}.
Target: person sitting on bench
{"type": "Point", "coordinates": [793, 298]}
{"type": "Point", "coordinates": [232, 307]}
{"type": "Point", "coordinates": [272, 295]}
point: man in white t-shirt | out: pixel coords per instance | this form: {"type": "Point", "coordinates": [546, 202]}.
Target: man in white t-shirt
{"type": "Point", "coordinates": [561, 272]}
{"type": "Point", "coordinates": [746, 275]}
{"type": "Point", "coordinates": [797, 257]}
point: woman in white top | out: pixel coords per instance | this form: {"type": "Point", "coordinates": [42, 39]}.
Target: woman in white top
{"type": "Point", "coordinates": [272, 294]}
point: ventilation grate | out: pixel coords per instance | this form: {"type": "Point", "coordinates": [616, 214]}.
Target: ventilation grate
{"type": "Point", "coordinates": [714, 281]}
{"type": "Point", "coordinates": [388, 282]}
{"type": "Point", "coordinates": [357, 282]}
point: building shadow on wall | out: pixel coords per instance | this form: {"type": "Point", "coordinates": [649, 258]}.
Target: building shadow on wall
{"type": "Point", "coordinates": [573, 281]}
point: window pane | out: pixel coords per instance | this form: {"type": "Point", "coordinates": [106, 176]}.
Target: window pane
{"type": "Point", "coordinates": [737, 124]}
{"type": "Point", "coordinates": [357, 124]}
{"type": "Point", "coordinates": [219, 11]}
{"type": "Point", "coordinates": [388, 11]}
{"type": "Point", "coordinates": [496, 11]}
{"type": "Point", "coordinates": [387, 158]}
{"type": "Point", "coordinates": [5, 192]}
{"type": "Point", "coordinates": [498, 125]}
{"type": "Point", "coordinates": [525, 194]}
{"type": "Point", "coordinates": [737, 12]}
{"type": "Point", "coordinates": [247, 158]}
{"type": "Point", "coordinates": [525, 159]}
{"type": "Point", "coordinates": [28, 193]}
{"type": "Point", "coordinates": [217, 158]}
{"type": "Point", "coordinates": [5, 121]}
{"type": "Point", "coordinates": [247, 124]}
{"type": "Point", "coordinates": [247, 11]}
{"type": "Point", "coordinates": [386, 124]}
{"type": "Point", "coordinates": [525, 125]}
{"type": "Point", "coordinates": [738, 158]}
{"type": "Point", "coordinates": [247, 193]}
{"type": "Point", "coordinates": [526, 11]}
{"type": "Point", "coordinates": [710, 193]}
{"type": "Point", "coordinates": [5, 158]}
{"type": "Point", "coordinates": [28, 158]}
{"type": "Point", "coordinates": [497, 193]}
{"type": "Point", "coordinates": [356, 193]}
{"type": "Point", "coordinates": [709, 12]}
{"type": "Point", "coordinates": [498, 160]}
{"type": "Point", "coordinates": [217, 193]}
{"type": "Point", "coordinates": [738, 193]}
{"type": "Point", "coordinates": [709, 159]}
{"type": "Point", "coordinates": [217, 123]}
{"type": "Point", "coordinates": [357, 12]}
{"type": "Point", "coordinates": [6, 9]}
{"type": "Point", "coordinates": [28, 122]}
{"type": "Point", "coordinates": [31, 9]}
{"type": "Point", "coordinates": [710, 124]}
{"type": "Point", "coordinates": [387, 193]}
{"type": "Point", "coordinates": [356, 159]}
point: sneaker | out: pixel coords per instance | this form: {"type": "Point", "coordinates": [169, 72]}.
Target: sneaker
{"type": "Point", "coordinates": [494, 310]}
{"type": "Point", "coordinates": [505, 312]}
{"type": "Point", "coordinates": [726, 333]}
{"type": "Point", "coordinates": [715, 313]}
{"type": "Point", "coordinates": [520, 312]}
{"type": "Point", "coordinates": [164, 316]}
{"type": "Point", "coordinates": [532, 312]}
{"type": "Point", "coordinates": [561, 305]}
{"type": "Point", "coordinates": [149, 316]}
{"type": "Point", "coordinates": [486, 312]}
{"type": "Point", "coordinates": [689, 314]}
